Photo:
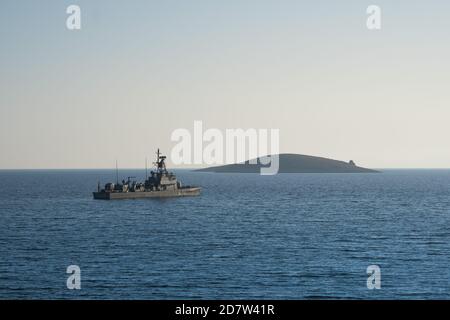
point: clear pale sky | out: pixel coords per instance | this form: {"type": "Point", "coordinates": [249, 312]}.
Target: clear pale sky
{"type": "Point", "coordinates": [137, 70]}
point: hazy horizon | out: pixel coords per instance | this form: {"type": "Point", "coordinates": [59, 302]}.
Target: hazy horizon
{"type": "Point", "coordinates": [136, 71]}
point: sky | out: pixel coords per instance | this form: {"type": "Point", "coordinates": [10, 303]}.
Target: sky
{"type": "Point", "coordinates": [138, 70]}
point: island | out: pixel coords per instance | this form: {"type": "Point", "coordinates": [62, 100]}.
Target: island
{"type": "Point", "coordinates": [294, 163]}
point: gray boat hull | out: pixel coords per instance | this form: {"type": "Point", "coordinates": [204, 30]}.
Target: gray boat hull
{"type": "Point", "coordinates": [183, 192]}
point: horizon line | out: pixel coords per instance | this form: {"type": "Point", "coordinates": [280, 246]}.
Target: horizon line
{"type": "Point", "coordinates": [195, 168]}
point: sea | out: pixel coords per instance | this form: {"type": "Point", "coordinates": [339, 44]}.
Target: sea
{"type": "Point", "coordinates": [247, 236]}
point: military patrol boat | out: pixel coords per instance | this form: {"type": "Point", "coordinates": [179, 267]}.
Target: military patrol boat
{"type": "Point", "coordinates": [160, 183]}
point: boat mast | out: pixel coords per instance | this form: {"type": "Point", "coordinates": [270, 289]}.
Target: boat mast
{"type": "Point", "coordinates": [146, 173]}
{"type": "Point", "coordinates": [117, 173]}
{"type": "Point", "coordinates": [157, 161]}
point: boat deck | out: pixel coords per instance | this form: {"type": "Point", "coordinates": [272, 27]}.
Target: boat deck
{"type": "Point", "coordinates": [183, 192]}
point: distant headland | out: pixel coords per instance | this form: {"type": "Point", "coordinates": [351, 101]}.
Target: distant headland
{"type": "Point", "coordinates": [294, 163]}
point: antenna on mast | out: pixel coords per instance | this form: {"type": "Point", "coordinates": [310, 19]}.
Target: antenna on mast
{"type": "Point", "coordinates": [146, 173]}
{"type": "Point", "coordinates": [117, 173]}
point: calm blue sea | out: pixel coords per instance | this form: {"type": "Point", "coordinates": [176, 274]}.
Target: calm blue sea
{"type": "Point", "coordinates": [290, 236]}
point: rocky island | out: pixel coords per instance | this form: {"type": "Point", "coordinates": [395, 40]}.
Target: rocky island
{"type": "Point", "coordinates": [294, 163]}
